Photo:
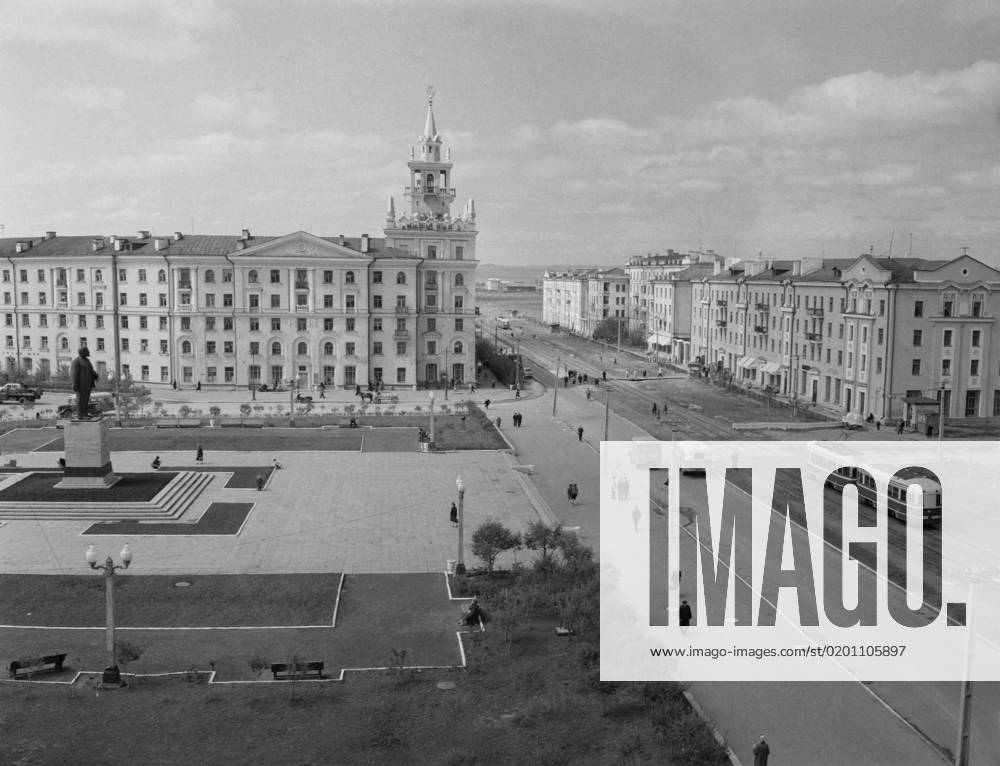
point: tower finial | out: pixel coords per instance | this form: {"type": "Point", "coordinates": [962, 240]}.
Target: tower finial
{"type": "Point", "coordinates": [430, 95]}
{"type": "Point", "coordinates": [430, 129]}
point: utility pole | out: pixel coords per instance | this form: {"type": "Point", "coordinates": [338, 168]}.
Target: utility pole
{"type": "Point", "coordinates": [555, 388]}
{"type": "Point", "coordinates": [607, 408]}
{"type": "Point", "coordinates": [619, 335]}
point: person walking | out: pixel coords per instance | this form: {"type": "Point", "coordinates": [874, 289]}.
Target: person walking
{"type": "Point", "coordinates": [899, 427]}
{"type": "Point", "coordinates": [322, 390]}
{"type": "Point", "coordinates": [453, 515]}
{"type": "Point", "coordinates": [684, 614]}
{"type": "Point", "coordinates": [260, 483]}
{"type": "Point", "coordinates": [486, 404]}
{"type": "Point", "coordinates": [199, 456]}
{"type": "Point", "coordinates": [572, 493]}
{"type": "Point", "coordinates": [761, 752]}
{"type": "Point", "coordinates": [579, 433]}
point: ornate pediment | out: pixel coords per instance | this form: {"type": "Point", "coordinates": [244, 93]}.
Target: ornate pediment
{"type": "Point", "coordinates": [964, 270]}
{"type": "Point", "coordinates": [300, 244]}
{"type": "Point", "coordinates": [866, 270]}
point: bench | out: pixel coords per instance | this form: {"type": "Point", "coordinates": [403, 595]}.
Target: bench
{"type": "Point", "coordinates": [22, 668]}
{"type": "Point", "coordinates": [286, 670]}
{"type": "Point", "coordinates": [387, 399]}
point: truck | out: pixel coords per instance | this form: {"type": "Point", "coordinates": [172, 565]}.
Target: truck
{"type": "Point", "coordinates": [16, 392]}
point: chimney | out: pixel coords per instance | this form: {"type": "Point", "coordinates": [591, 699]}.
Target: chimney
{"type": "Point", "coordinates": [245, 236]}
{"type": "Point", "coordinates": [97, 243]}
{"type": "Point", "coordinates": [340, 240]}
{"type": "Point", "coordinates": [22, 247]}
{"type": "Point", "coordinates": [178, 236]}
{"type": "Point", "coordinates": [796, 268]}
{"type": "Point", "coordinates": [50, 235]}
{"type": "Point", "coordinates": [142, 234]}
{"type": "Point", "coordinates": [241, 244]}
{"type": "Point", "coordinates": [161, 242]}
{"type": "Point", "coordinates": [364, 243]}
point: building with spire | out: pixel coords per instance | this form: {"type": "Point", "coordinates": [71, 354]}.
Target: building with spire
{"type": "Point", "coordinates": [243, 310]}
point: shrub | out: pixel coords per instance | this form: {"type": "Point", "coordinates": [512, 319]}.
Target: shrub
{"type": "Point", "coordinates": [490, 540]}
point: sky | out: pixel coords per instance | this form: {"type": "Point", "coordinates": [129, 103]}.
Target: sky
{"type": "Point", "coordinates": [586, 131]}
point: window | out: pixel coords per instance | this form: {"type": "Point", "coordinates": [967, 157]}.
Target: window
{"type": "Point", "coordinates": [349, 278]}
{"type": "Point", "coordinates": [227, 276]}
{"type": "Point", "coordinates": [162, 300]}
{"type": "Point", "coordinates": [81, 275]}
{"type": "Point", "coordinates": [228, 346]}
{"type": "Point", "coordinates": [227, 323]}
{"type": "Point", "coordinates": [41, 299]}
{"type": "Point", "coordinates": [459, 325]}
{"type": "Point", "coordinates": [161, 276]}
{"type": "Point", "coordinates": [328, 301]}
{"type": "Point", "coordinates": [122, 275]}
{"type": "Point", "coordinates": [185, 323]}
{"type": "Point", "coordinates": [100, 321]}
{"type": "Point", "coordinates": [377, 348]}
{"type": "Point", "coordinates": [210, 347]}
{"type": "Point", "coordinates": [349, 304]}
{"type": "Point", "coordinates": [458, 349]}
{"type": "Point", "coordinates": [947, 338]}
{"type": "Point", "coordinates": [163, 346]}
{"type": "Point", "coordinates": [376, 301]}
{"type": "Point", "coordinates": [301, 324]}
{"type": "Point", "coordinates": [328, 348]}
{"type": "Point", "coordinates": [275, 301]}
{"type": "Point", "coordinates": [432, 325]}
{"type": "Point", "coordinates": [252, 276]}
{"type": "Point", "coordinates": [209, 276]}
{"type": "Point", "coordinates": [327, 323]}
{"type": "Point", "coordinates": [432, 347]}
{"type": "Point", "coordinates": [209, 301]}
{"type": "Point", "coordinates": [377, 324]}
{"type": "Point", "coordinates": [946, 366]}
{"type": "Point", "coordinates": [275, 324]}
{"type": "Point", "coordinates": [878, 365]}
{"type": "Point", "coordinates": [143, 323]}
{"type": "Point", "coordinates": [24, 275]}
{"type": "Point", "coordinates": [840, 358]}
{"type": "Point", "coordinates": [432, 251]}
{"type": "Point", "coordinates": [881, 308]}
{"type": "Point", "coordinates": [349, 348]}
{"type": "Point", "coordinates": [401, 348]}
{"type": "Point", "coordinates": [459, 280]}
{"type": "Point", "coordinates": [918, 337]}
{"type": "Point", "coordinates": [915, 367]}
{"type": "Point", "coordinates": [327, 277]}
{"type": "Point", "coordinates": [977, 306]}
{"type": "Point", "coordinates": [976, 336]}
{"type": "Point", "coordinates": [974, 367]}
{"type": "Point", "coordinates": [275, 276]}
{"type": "Point", "coordinates": [302, 349]}
{"type": "Point", "coordinates": [400, 374]}
{"type": "Point", "coordinates": [918, 308]}
{"type": "Point", "coordinates": [459, 252]}
{"type": "Point", "coordinates": [400, 278]}
{"type": "Point", "coordinates": [227, 300]}
{"type": "Point", "coordinates": [124, 322]}
{"type": "Point", "coordinates": [43, 320]}
{"type": "Point", "coordinates": [163, 323]}
{"type": "Point", "coordinates": [276, 349]}
{"type": "Point", "coordinates": [946, 309]}
{"type": "Point", "coordinates": [254, 348]}
{"type": "Point", "coordinates": [376, 277]}
{"type": "Point", "coordinates": [81, 299]}
{"type": "Point", "coordinates": [840, 332]}
{"type": "Point", "coordinates": [255, 324]}
{"type": "Point", "coordinates": [186, 347]}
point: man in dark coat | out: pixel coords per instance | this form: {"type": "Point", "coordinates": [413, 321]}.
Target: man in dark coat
{"type": "Point", "coordinates": [685, 614]}
{"type": "Point", "coordinates": [761, 751]}
{"type": "Point", "coordinates": [454, 515]}
{"type": "Point", "coordinates": [84, 378]}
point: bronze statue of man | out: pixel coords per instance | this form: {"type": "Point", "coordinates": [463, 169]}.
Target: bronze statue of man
{"type": "Point", "coordinates": [84, 379]}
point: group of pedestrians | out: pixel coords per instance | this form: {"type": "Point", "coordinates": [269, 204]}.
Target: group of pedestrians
{"type": "Point", "coordinates": [517, 418]}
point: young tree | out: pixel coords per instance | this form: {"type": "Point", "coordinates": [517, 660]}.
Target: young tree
{"type": "Point", "coordinates": [134, 400]}
{"type": "Point", "coordinates": [544, 538]}
{"type": "Point", "coordinates": [490, 540]}
{"type": "Point", "coordinates": [127, 652]}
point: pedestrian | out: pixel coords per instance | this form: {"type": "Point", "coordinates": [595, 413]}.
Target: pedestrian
{"type": "Point", "coordinates": [517, 392]}
{"type": "Point", "coordinates": [604, 375]}
{"type": "Point", "coordinates": [565, 381]}
{"type": "Point", "coordinates": [486, 404]}
{"type": "Point", "coordinates": [198, 387]}
{"type": "Point", "coordinates": [493, 383]}
{"type": "Point", "coordinates": [572, 493]}
{"type": "Point", "coordinates": [472, 388]}
{"type": "Point", "coordinates": [588, 394]}
{"type": "Point", "coordinates": [878, 425]}
{"type": "Point", "coordinates": [520, 419]}
{"type": "Point", "coordinates": [579, 433]}
{"type": "Point", "coordinates": [664, 408]}
{"type": "Point", "coordinates": [655, 410]}
{"type": "Point", "coordinates": [322, 391]}
{"type": "Point", "coordinates": [899, 427]}
{"type": "Point", "coordinates": [276, 464]}
{"type": "Point", "coordinates": [199, 456]}
{"type": "Point", "coordinates": [684, 613]}
{"type": "Point", "coordinates": [260, 483]}
{"type": "Point", "coordinates": [453, 515]}
{"type": "Point", "coordinates": [498, 422]}
{"type": "Point", "coordinates": [761, 751]}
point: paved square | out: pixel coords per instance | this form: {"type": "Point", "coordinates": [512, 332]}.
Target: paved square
{"type": "Point", "coordinates": [324, 511]}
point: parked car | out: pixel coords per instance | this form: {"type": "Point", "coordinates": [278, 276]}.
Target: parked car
{"type": "Point", "coordinates": [100, 402]}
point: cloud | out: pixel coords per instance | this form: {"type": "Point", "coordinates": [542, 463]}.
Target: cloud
{"type": "Point", "coordinates": [982, 180]}
{"type": "Point", "coordinates": [253, 109]}
{"type": "Point", "coordinates": [969, 12]}
{"type": "Point", "coordinates": [167, 30]}
{"type": "Point", "coordinates": [89, 97]}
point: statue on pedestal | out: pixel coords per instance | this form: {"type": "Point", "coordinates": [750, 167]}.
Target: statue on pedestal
{"type": "Point", "coordinates": [84, 379]}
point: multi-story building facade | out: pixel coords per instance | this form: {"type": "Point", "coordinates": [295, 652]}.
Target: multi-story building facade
{"type": "Point", "coordinates": [241, 310]}
{"type": "Point", "coordinates": [671, 311]}
{"type": "Point", "coordinates": [607, 298]}
{"type": "Point", "coordinates": [641, 270]}
{"type": "Point", "coordinates": [564, 299]}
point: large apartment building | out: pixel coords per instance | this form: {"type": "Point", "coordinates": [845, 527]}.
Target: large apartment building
{"type": "Point", "coordinates": [580, 300]}
{"type": "Point", "coordinates": [243, 309]}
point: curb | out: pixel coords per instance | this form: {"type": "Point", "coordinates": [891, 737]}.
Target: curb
{"type": "Point", "coordinates": [733, 759]}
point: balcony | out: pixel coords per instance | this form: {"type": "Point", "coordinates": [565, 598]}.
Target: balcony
{"type": "Point", "coordinates": [721, 302]}
{"type": "Point", "coordinates": [762, 307]}
{"type": "Point", "coordinates": [402, 309]}
{"type": "Point", "coordinates": [431, 286]}
{"type": "Point", "coordinates": [302, 308]}
{"type": "Point", "coordinates": [721, 323]}
{"type": "Point", "coordinates": [815, 311]}
{"type": "Point", "coordinates": [184, 284]}
{"type": "Point", "coordinates": [815, 336]}
{"type": "Point", "coordinates": [401, 335]}
{"type": "Point", "coordinates": [351, 310]}
{"type": "Point", "coordinates": [301, 284]}
{"type": "Point", "coordinates": [760, 329]}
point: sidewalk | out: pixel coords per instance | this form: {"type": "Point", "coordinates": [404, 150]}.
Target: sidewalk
{"type": "Point", "coordinates": [807, 723]}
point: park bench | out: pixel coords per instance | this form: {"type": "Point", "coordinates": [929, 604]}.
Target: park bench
{"type": "Point", "coordinates": [386, 399]}
{"type": "Point", "coordinates": [22, 668]}
{"type": "Point", "coordinates": [286, 670]}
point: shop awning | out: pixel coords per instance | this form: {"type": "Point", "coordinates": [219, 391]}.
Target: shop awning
{"type": "Point", "coordinates": [747, 362]}
{"type": "Point", "coordinates": [921, 401]}
{"type": "Point", "coordinates": [772, 368]}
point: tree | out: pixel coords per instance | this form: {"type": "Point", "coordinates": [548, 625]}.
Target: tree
{"type": "Point", "coordinates": [540, 536]}
{"type": "Point", "coordinates": [490, 540]}
{"type": "Point", "coordinates": [133, 400]}
{"type": "Point", "coordinates": [127, 652]}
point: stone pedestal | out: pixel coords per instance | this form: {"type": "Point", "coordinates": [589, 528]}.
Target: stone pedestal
{"type": "Point", "coordinates": [88, 461]}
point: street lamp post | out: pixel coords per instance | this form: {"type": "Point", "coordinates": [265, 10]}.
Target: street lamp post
{"type": "Point", "coordinates": [607, 408]}
{"type": "Point", "coordinates": [109, 568]}
{"type": "Point", "coordinates": [291, 402]}
{"type": "Point", "coordinates": [941, 414]}
{"type": "Point", "coordinates": [431, 397]}
{"type": "Point", "coordinates": [555, 388]}
{"type": "Point", "coordinates": [253, 374]}
{"type": "Point", "coordinates": [460, 566]}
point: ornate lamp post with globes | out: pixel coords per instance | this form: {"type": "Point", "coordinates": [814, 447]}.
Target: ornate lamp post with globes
{"type": "Point", "coordinates": [460, 566]}
{"type": "Point", "coordinates": [431, 397]}
{"type": "Point", "coordinates": [111, 675]}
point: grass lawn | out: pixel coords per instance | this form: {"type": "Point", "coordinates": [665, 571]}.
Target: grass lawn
{"type": "Point", "coordinates": [133, 488]}
{"type": "Point", "coordinates": [154, 600]}
{"type": "Point", "coordinates": [218, 519]}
